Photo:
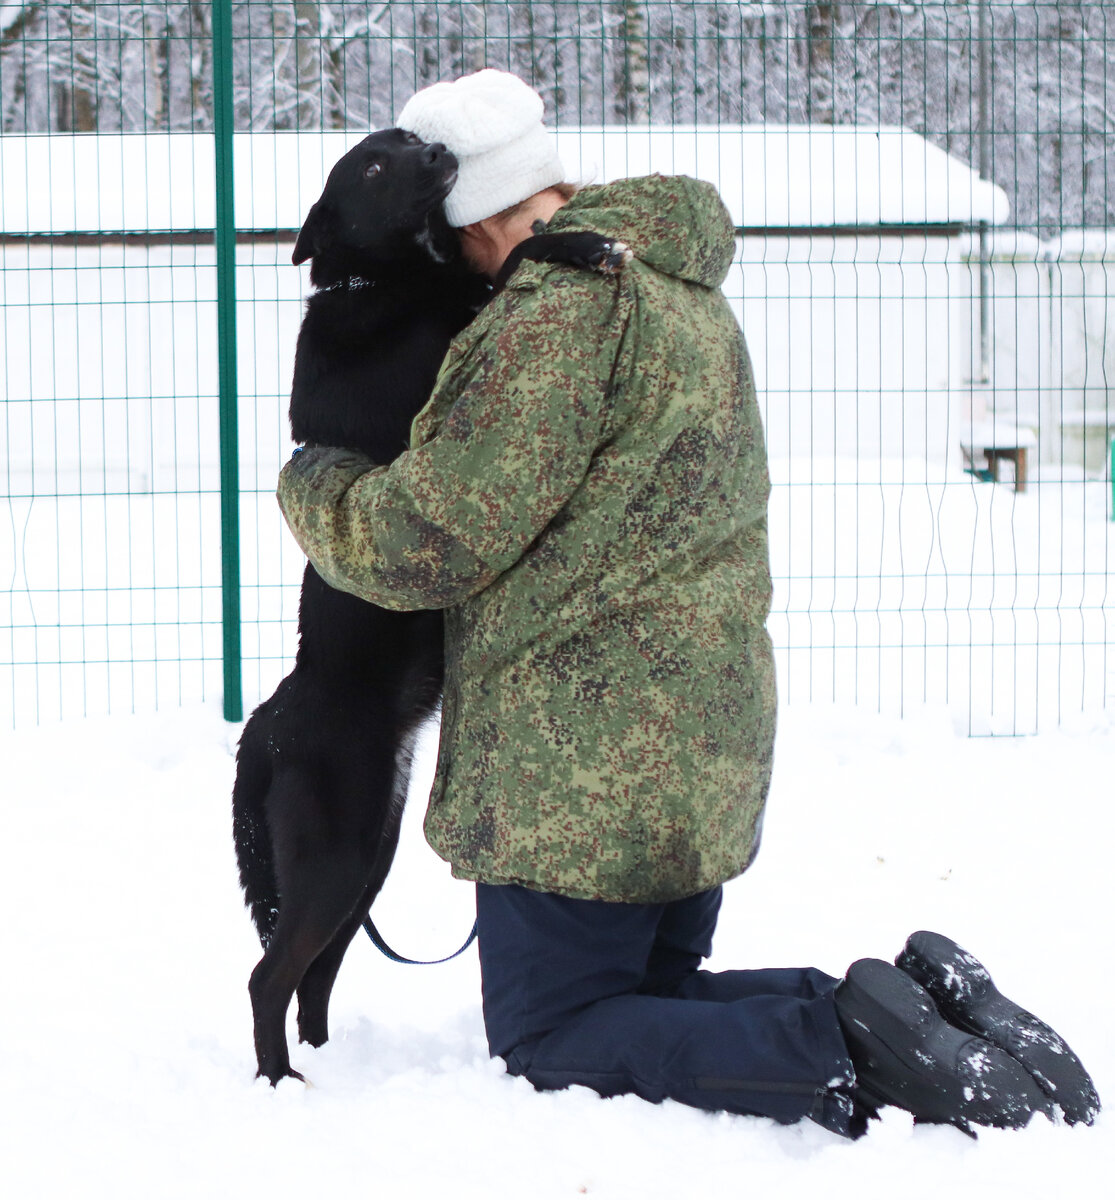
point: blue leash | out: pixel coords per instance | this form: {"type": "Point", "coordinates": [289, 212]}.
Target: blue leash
{"type": "Point", "coordinates": [384, 948]}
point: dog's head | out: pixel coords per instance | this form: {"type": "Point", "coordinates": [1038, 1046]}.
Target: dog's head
{"type": "Point", "coordinates": [381, 206]}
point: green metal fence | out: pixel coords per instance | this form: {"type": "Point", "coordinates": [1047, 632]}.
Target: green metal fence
{"type": "Point", "coordinates": [924, 194]}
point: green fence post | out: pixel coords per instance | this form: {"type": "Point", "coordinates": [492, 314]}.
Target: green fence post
{"type": "Point", "coordinates": [226, 358]}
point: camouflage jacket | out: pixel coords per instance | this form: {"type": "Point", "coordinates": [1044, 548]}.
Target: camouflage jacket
{"type": "Point", "coordinates": [585, 494]}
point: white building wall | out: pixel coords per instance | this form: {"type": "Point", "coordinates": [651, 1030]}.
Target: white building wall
{"type": "Point", "coordinates": [864, 347]}
{"type": "Point", "coordinates": [1082, 275]}
{"type": "Point", "coordinates": [1016, 390]}
{"type": "Point", "coordinates": [853, 341]}
{"type": "Point", "coordinates": [1051, 343]}
{"type": "Point", "coordinates": [109, 375]}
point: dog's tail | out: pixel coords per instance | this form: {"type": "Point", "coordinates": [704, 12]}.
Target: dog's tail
{"type": "Point", "coordinates": [252, 837]}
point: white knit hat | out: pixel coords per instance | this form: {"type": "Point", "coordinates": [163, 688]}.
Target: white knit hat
{"type": "Point", "coordinates": [492, 122]}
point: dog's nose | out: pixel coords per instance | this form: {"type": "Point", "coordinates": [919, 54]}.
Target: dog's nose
{"type": "Point", "coordinates": [432, 153]}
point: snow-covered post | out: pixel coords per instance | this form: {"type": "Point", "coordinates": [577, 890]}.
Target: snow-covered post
{"type": "Point", "coordinates": [226, 358]}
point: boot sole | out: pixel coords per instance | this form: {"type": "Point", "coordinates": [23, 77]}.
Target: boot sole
{"type": "Point", "coordinates": [907, 1055]}
{"type": "Point", "coordinates": [966, 996]}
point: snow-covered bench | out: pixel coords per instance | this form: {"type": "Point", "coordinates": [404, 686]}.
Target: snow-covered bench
{"type": "Point", "coordinates": [997, 440]}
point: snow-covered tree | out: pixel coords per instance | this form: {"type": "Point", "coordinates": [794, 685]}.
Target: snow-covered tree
{"type": "Point", "coordinates": [84, 67]}
{"type": "Point", "coordinates": [353, 63]}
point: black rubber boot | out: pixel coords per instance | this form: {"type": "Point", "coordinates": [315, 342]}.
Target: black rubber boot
{"type": "Point", "coordinates": [966, 997]}
{"type": "Point", "coordinates": [906, 1054]}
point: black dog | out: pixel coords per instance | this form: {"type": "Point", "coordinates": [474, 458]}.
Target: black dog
{"type": "Point", "coordinates": [322, 766]}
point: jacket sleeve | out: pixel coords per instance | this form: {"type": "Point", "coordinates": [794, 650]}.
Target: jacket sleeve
{"type": "Point", "coordinates": [444, 519]}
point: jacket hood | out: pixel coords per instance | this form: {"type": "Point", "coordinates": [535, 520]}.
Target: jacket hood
{"type": "Point", "coordinates": [673, 223]}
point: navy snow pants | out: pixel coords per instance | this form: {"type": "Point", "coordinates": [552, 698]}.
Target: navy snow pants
{"type": "Point", "coordinates": [610, 996]}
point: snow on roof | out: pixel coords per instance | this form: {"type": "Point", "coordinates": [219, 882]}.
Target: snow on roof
{"type": "Point", "coordinates": [800, 175]}
{"type": "Point", "coordinates": [769, 176]}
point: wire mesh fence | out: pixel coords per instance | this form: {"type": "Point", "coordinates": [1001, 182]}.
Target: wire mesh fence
{"type": "Point", "coordinates": [923, 194]}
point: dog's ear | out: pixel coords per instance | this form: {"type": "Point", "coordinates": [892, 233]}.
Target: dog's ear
{"type": "Point", "coordinates": [315, 235]}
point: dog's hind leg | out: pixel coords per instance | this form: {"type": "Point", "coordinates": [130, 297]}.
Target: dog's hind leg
{"type": "Point", "coordinates": [322, 880]}
{"type": "Point", "coordinates": [317, 984]}
{"type": "Point", "coordinates": [309, 922]}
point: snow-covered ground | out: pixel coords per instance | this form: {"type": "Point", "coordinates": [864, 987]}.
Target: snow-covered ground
{"type": "Point", "coordinates": [128, 1065]}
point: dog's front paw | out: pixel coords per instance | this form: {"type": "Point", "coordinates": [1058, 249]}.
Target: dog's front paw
{"type": "Point", "coordinates": [613, 256]}
{"type": "Point", "coordinates": [592, 251]}
{"type": "Point", "coordinates": [589, 251]}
